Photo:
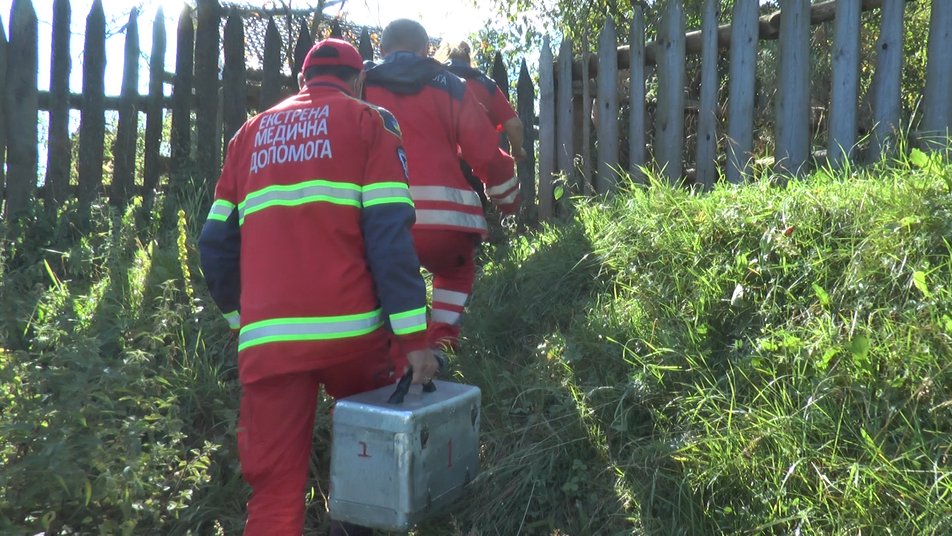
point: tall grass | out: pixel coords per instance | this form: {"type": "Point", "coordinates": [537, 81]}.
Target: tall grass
{"type": "Point", "coordinates": [754, 360]}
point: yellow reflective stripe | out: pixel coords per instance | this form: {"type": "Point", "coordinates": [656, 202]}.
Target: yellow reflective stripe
{"type": "Point", "coordinates": [386, 192]}
{"type": "Point", "coordinates": [220, 210]}
{"type": "Point", "coordinates": [291, 195]}
{"type": "Point", "coordinates": [409, 322]}
{"type": "Point", "coordinates": [314, 328]}
{"type": "Point", "coordinates": [233, 318]}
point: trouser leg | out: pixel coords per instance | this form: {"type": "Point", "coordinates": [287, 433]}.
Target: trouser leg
{"type": "Point", "coordinates": [274, 444]}
{"type": "Point", "coordinates": [448, 255]}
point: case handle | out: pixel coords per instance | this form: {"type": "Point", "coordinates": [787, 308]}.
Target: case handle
{"type": "Point", "coordinates": [403, 386]}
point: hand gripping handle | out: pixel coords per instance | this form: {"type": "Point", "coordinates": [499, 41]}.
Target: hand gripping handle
{"type": "Point", "coordinates": [403, 386]}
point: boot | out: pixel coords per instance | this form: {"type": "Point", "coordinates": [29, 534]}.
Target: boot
{"type": "Point", "coordinates": [340, 528]}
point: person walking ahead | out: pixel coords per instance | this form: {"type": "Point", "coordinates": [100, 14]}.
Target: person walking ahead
{"type": "Point", "coordinates": [307, 251]}
{"type": "Point", "coordinates": [442, 122]}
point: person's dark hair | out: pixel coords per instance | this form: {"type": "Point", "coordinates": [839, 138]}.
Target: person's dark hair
{"type": "Point", "coordinates": [404, 34]}
{"type": "Point", "coordinates": [344, 72]}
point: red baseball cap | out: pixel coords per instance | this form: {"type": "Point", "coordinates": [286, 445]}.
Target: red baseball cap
{"type": "Point", "coordinates": [330, 52]}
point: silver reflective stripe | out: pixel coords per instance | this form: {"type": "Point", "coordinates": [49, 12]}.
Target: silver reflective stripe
{"type": "Point", "coordinates": [443, 193]}
{"type": "Point", "coordinates": [409, 324]}
{"type": "Point", "coordinates": [508, 199]}
{"type": "Point", "coordinates": [220, 210]}
{"type": "Point", "coordinates": [446, 317]}
{"type": "Point", "coordinates": [386, 194]}
{"type": "Point", "coordinates": [449, 296]}
{"type": "Point", "coordinates": [503, 188]}
{"type": "Point", "coordinates": [299, 194]}
{"type": "Point", "coordinates": [308, 329]}
{"type": "Point", "coordinates": [451, 218]}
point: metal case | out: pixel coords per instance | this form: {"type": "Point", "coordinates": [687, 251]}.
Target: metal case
{"type": "Point", "coordinates": [393, 465]}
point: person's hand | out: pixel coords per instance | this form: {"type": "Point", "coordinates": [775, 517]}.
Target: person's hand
{"type": "Point", "coordinates": [518, 153]}
{"type": "Point", "coordinates": [424, 365]}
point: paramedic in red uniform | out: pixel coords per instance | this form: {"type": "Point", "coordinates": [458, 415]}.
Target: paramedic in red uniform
{"type": "Point", "coordinates": [442, 122]}
{"type": "Point", "coordinates": [308, 253]}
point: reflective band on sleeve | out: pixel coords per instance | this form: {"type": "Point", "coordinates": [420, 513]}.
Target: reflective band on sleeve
{"type": "Point", "coordinates": [503, 188]}
{"type": "Point", "coordinates": [444, 193]}
{"type": "Point", "coordinates": [386, 192]}
{"type": "Point", "coordinates": [508, 199]}
{"type": "Point", "coordinates": [409, 322]}
{"type": "Point", "coordinates": [315, 328]}
{"type": "Point", "coordinates": [451, 297]}
{"type": "Point", "coordinates": [443, 316]}
{"type": "Point", "coordinates": [450, 218]}
{"type": "Point", "coordinates": [292, 195]}
{"type": "Point", "coordinates": [234, 319]}
{"type": "Point", "coordinates": [220, 210]}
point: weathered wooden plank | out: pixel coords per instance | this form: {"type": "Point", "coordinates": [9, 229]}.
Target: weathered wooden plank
{"type": "Point", "coordinates": [937, 118]}
{"type": "Point", "coordinates": [501, 77]}
{"type": "Point", "coordinates": [564, 117]}
{"type": "Point", "coordinates": [547, 158]}
{"type": "Point", "coordinates": [606, 178]}
{"type": "Point", "coordinates": [301, 47]}
{"type": "Point", "coordinates": [366, 46]}
{"type": "Point", "coordinates": [271, 81]}
{"type": "Point", "coordinates": [180, 138]}
{"type": "Point", "coordinates": [793, 88]}
{"type": "Point", "coordinates": [586, 142]}
{"type": "Point", "coordinates": [206, 92]}
{"type": "Point", "coordinates": [669, 117]}
{"type": "Point", "coordinates": [58, 153]}
{"type": "Point", "coordinates": [92, 121]}
{"type": "Point", "coordinates": [3, 114]}
{"type": "Point", "coordinates": [766, 28]}
{"type": "Point", "coordinates": [845, 86]}
{"type": "Point", "coordinates": [706, 154]}
{"type": "Point", "coordinates": [22, 110]}
{"type": "Point", "coordinates": [743, 69]}
{"type": "Point", "coordinates": [525, 96]}
{"type": "Point", "coordinates": [234, 82]}
{"type": "Point", "coordinates": [888, 78]}
{"type": "Point", "coordinates": [154, 115]}
{"type": "Point", "coordinates": [637, 132]}
{"type": "Point", "coordinates": [124, 152]}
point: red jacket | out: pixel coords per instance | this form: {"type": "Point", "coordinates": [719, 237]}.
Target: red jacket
{"type": "Point", "coordinates": [442, 122]}
{"type": "Point", "coordinates": [309, 235]}
{"type": "Point", "coordinates": [486, 91]}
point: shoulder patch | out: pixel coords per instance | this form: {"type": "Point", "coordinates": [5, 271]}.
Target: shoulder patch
{"type": "Point", "coordinates": [402, 156]}
{"type": "Point", "coordinates": [389, 122]}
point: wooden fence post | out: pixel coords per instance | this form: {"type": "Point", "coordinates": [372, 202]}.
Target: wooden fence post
{"type": "Point", "coordinates": [887, 79]}
{"type": "Point", "coordinates": [586, 178]}
{"type": "Point", "coordinates": [301, 47]}
{"type": "Point", "coordinates": [271, 68]}
{"type": "Point", "coordinates": [637, 133]}
{"type": "Point", "coordinates": [845, 90]}
{"type": "Point", "coordinates": [606, 179]}
{"type": "Point", "coordinates": [525, 96]}
{"type": "Point", "coordinates": [501, 76]}
{"type": "Point", "coordinates": [180, 142]}
{"type": "Point", "coordinates": [793, 88]}
{"type": "Point", "coordinates": [3, 115]}
{"type": "Point", "coordinates": [206, 93]}
{"type": "Point", "coordinates": [92, 122]}
{"type": "Point", "coordinates": [669, 117]}
{"type": "Point", "coordinates": [937, 119]}
{"type": "Point", "coordinates": [564, 118]}
{"type": "Point", "coordinates": [58, 154]}
{"type": "Point", "coordinates": [234, 81]}
{"type": "Point", "coordinates": [547, 165]}
{"type": "Point", "coordinates": [366, 47]}
{"type": "Point", "coordinates": [22, 104]}
{"type": "Point", "coordinates": [743, 69]}
{"type": "Point", "coordinates": [124, 153]}
{"type": "Point", "coordinates": [154, 114]}
{"type": "Point", "coordinates": [706, 154]}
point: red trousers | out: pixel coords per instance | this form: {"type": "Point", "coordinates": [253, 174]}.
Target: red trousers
{"type": "Point", "coordinates": [448, 255]}
{"type": "Point", "coordinates": [275, 426]}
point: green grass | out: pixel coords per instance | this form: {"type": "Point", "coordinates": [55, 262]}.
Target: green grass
{"type": "Point", "coordinates": [755, 360]}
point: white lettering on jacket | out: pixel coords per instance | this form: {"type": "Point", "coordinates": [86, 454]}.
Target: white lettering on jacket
{"type": "Point", "coordinates": [291, 136]}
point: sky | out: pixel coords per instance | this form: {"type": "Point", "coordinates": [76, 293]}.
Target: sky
{"type": "Point", "coordinates": [449, 19]}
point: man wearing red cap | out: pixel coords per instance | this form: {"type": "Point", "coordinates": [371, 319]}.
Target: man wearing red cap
{"type": "Point", "coordinates": [308, 253]}
{"type": "Point", "coordinates": [442, 122]}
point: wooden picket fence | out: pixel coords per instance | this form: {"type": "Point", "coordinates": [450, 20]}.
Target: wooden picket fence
{"type": "Point", "coordinates": [559, 135]}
